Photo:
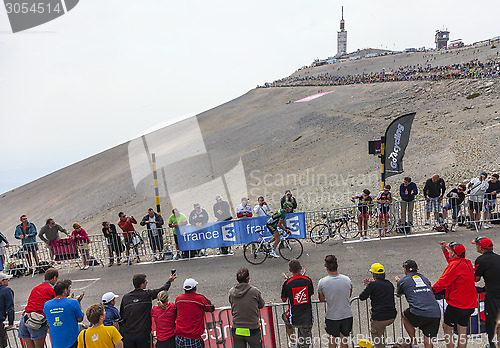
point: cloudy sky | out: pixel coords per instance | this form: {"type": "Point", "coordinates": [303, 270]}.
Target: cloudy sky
{"type": "Point", "coordinates": [109, 71]}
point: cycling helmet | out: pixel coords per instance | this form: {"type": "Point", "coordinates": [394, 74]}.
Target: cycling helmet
{"type": "Point", "coordinates": [287, 205]}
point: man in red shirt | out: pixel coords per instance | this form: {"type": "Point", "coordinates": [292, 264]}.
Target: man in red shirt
{"type": "Point", "coordinates": [190, 323]}
{"type": "Point", "coordinates": [38, 296]}
{"type": "Point", "coordinates": [461, 296]}
{"type": "Point", "coordinates": [128, 229]}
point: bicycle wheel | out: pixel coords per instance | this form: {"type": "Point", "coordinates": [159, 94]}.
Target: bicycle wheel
{"type": "Point", "coordinates": [255, 253]}
{"type": "Point", "coordinates": [319, 233]}
{"type": "Point", "coordinates": [349, 229]}
{"type": "Point", "coordinates": [290, 248]}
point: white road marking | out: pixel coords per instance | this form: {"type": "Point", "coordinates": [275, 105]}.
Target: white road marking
{"type": "Point", "coordinates": [395, 237]}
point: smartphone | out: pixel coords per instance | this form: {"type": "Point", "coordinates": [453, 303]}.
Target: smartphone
{"type": "Point", "coordinates": [172, 271]}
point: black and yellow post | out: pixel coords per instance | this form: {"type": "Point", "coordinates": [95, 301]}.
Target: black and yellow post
{"type": "Point", "coordinates": [155, 177]}
{"type": "Point", "coordinates": [382, 161]}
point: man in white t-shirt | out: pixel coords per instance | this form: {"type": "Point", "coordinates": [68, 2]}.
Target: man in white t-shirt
{"type": "Point", "coordinates": [477, 187]}
{"type": "Point", "coordinates": [261, 209]}
{"type": "Point", "coordinates": [336, 289]}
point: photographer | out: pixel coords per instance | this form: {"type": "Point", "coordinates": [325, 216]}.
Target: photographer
{"type": "Point", "coordinates": [261, 209]}
{"type": "Point", "coordinates": [289, 198]}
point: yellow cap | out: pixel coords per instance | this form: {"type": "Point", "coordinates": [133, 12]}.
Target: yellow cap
{"type": "Point", "coordinates": [377, 268]}
{"type": "Point", "coordinates": [365, 344]}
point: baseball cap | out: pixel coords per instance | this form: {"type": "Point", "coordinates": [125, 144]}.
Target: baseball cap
{"type": "Point", "coordinates": [365, 344]}
{"type": "Point", "coordinates": [190, 283]}
{"type": "Point", "coordinates": [218, 197]}
{"type": "Point", "coordinates": [108, 297]}
{"type": "Point", "coordinates": [483, 242]}
{"type": "Point", "coordinates": [196, 205]}
{"type": "Point", "coordinates": [410, 266]}
{"type": "Point", "coordinates": [244, 199]}
{"type": "Point", "coordinates": [457, 248]}
{"type": "Point", "coordinates": [377, 268]}
{"type": "Point", "coordinates": [4, 276]}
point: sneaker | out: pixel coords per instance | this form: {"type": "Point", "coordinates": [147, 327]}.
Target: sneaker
{"type": "Point", "coordinates": [427, 223]}
{"type": "Point", "coordinates": [453, 228]}
{"type": "Point", "coordinates": [436, 223]}
{"type": "Point", "coordinates": [367, 238]}
{"type": "Point", "coordinates": [110, 264]}
{"type": "Point", "coordinates": [272, 253]}
{"type": "Point", "coordinates": [138, 259]}
{"type": "Point", "coordinates": [361, 239]}
{"type": "Point", "coordinates": [118, 263]}
{"type": "Point", "coordinates": [86, 267]}
{"type": "Point", "coordinates": [486, 225]}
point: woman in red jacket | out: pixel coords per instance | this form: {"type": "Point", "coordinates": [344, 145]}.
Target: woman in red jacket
{"type": "Point", "coordinates": [82, 240]}
{"type": "Point", "coordinates": [461, 296]}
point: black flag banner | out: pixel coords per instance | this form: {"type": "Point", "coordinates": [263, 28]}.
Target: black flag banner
{"type": "Point", "coordinates": [397, 136]}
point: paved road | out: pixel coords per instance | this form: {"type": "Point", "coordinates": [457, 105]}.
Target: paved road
{"type": "Point", "coordinates": [217, 275]}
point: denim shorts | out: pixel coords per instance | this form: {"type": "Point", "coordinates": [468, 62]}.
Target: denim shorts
{"type": "Point", "coordinates": [455, 209]}
{"type": "Point", "coordinates": [26, 332]}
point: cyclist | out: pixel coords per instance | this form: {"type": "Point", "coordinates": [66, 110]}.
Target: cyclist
{"type": "Point", "coordinates": [365, 202]}
{"type": "Point", "coordinates": [278, 220]}
{"type": "Point", "coordinates": [384, 200]}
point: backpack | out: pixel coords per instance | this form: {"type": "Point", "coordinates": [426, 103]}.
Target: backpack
{"type": "Point", "coordinates": [441, 226]}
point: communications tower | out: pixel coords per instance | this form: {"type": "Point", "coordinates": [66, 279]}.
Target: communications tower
{"type": "Point", "coordinates": [342, 37]}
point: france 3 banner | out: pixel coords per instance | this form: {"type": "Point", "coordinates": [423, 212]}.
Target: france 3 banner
{"type": "Point", "coordinates": [397, 137]}
{"type": "Point", "coordinates": [234, 232]}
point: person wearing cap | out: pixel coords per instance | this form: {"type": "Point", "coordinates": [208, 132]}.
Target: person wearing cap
{"type": "Point", "coordinates": [112, 313]}
{"type": "Point", "coordinates": [246, 302]}
{"type": "Point", "coordinates": [298, 290]}
{"type": "Point", "coordinates": [222, 212]}
{"type": "Point", "coordinates": [477, 191]}
{"type": "Point", "coordinates": [244, 210]}
{"type": "Point", "coordinates": [81, 238]}
{"type": "Point", "coordinates": [423, 311]}
{"type": "Point", "coordinates": [154, 224]}
{"type": "Point", "coordinates": [163, 316]}
{"type": "Point", "coordinates": [198, 216]}
{"type": "Point", "coordinates": [99, 335]}
{"type": "Point", "coordinates": [6, 307]}
{"type": "Point", "coordinates": [261, 209]}
{"type": "Point", "coordinates": [460, 292]}
{"type": "Point", "coordinates": [174, 221]}
{"type": "Point", "coordinates": [190, 322]}
{"type": "Point", "coordinates": [381, 294]}
{"type": "Point", "coordinates": [39, 295]}
{"type": "Point", "coordinates": [490, 200]}
{"type": "Point", "coordinates": [487, 266]}
{"type": "Point", "coordinates": [289, 198]}
{"type": "Point", "coordinates": [135, 309]}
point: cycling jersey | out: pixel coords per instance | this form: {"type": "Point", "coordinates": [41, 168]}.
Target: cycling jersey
{"type": "Point", "coordinates": [383, 207]}
{"type": "Point", "coordinates": [276, 217]}
{"type": "Point", "coordinates": [363, 203]}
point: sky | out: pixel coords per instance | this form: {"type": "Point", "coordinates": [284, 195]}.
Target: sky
{"type": "Point", "coordinates": [109, 71]}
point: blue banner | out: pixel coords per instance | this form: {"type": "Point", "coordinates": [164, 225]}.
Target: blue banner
{"type": "Point", "coordinates": [234, 232]}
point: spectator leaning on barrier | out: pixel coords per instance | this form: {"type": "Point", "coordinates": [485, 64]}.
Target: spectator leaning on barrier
{"type": "Point", "coordinates": [336, 290]}
{"type": "Point", "coordinates": [112, 313]}
{"type": "Point", "coordinates": [298, 290]}
{"type": "Point", "coordinates": [113, 241]}
{"type": "Point", "coordinates": [63, 314]}
{"type": "Point", "coordinates": [261, 209]}
{"type": "Point", "coordinates": [488, 266]}
{"type": "Point", "coordinates": [244, 209]}
{"type": "Point", "coordinates": [26, 232]}
{"type": "Point", "coordinates": [460, 291]}
{"type": "Point", "coordinates": [99, 335]}
{"type": "Point", "coordinates": [50, 233]}
{"type": "Point", "coordinates": [455, 198]}
{"type": "Point", "coordinates": [381, 294]}
{"type": "Point", "coordinates": [126, 224]}
{"type": "Point", "coordinates": [491, 199]}
{"type": "Point", "coordinates": [174, 221]}
{"type": "Point", "coordinates": [6, 307]}
{"type": "Point", "coordinates": [35, 338]}
{"type": "Point", "coordinates": [408, 190]}
{"type": "Point", "coordinates": [477, 189]}
{"type": "Point", "coordinates": [246, 301]}
{"type": "Point", "coordinates": [198, 216]}
{"type": "Point", "coordinates": [423, 311]}
{"type": "Point", "coordinates": [135, 310]}
{"type": "Point", "coordinates": [4, 243]}
{"type": "Point", "coordinates": [154, 224]}
{"type": "Point", "coordinates": [222, 212]}
{"type": "Point", "coordinates": [81, 238]}
{"type": "Point", "coordinates": [163, 315]}
{"type": "Point", "coordinates": [289, 198]}
{"type": "Point", "coordinates": [190, 322]}
{"type": "Point", "coordinates": [434, 191]}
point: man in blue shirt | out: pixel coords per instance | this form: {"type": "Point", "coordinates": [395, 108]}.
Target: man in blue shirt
{"type": "Point", "coordinates": [408, 190]}
{"type": "Point", "coordinates": [63, 314]}
{"type": "Point", "coordinates": [6, 307]}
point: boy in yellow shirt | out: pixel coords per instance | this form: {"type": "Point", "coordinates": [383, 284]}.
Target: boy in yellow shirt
{"type": "Point", "coordinates": [99, 336]}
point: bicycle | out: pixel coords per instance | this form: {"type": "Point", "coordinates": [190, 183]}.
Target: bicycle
{"type": "Point", "coordinates": [343, 227]}
{"type": "Point", "coordinates": [257, 252]}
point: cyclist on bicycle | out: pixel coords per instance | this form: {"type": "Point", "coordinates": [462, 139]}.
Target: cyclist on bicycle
{"type": "Point", "coordinates": [364, 210]}
{"type": "Point", "coordinates": [278, 220]}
